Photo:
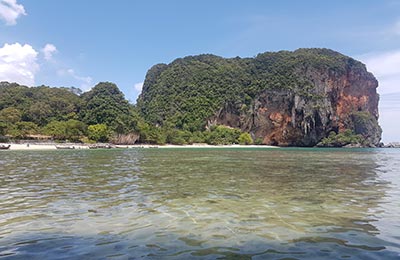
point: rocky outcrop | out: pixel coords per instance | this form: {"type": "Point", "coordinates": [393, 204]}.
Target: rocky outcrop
{"type": "Point", "coordinates": [285, 98]}
{"type": "Point", "coordinates": [392, 145]}
{"type": "Point", "coordinates": [295, 118]}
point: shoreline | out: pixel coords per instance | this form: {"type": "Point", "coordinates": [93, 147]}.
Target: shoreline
{"type": "Point", "coordinates": [78, 146]}
{"type": "Point", "coordinates": [216, 146]}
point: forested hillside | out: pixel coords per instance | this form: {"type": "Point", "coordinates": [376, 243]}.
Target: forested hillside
{"type": "Point", "coordinates": [303, 98]}
{"type": "Point", "coordinates": [99, 115]}
{"type": "Point", "coordinates": [64, 113]}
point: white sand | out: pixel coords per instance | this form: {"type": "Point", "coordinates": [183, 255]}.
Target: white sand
{"type": "Point", "coordinates": [80, 146]}
{"type": "Point", "coordinates": [215, 146]}
{"type": "Point", "coordinates": [42, 146]}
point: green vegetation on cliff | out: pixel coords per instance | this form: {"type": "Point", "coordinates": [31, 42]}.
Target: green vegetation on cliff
{"type": "Point", "coordinates": [190, 90]}
{"type": "Point", "coordinates": [99, 115]}
{"type": "Point", "coordinates": [341, 139]}
{"type": "Point", "coordinates": [285, 98]}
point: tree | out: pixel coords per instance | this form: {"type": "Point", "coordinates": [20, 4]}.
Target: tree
{"type": "Point", "coordinates": [75, 130]}
{"type": "Point", "coordinates": [223, 135]}
{"type": "Point", "coordinates": [56, 129]}
{"type": "Point", "coordinates": [198, 137]}
{"type": "Point", "coordinates": [99, 133]}
{"type": "Point", "coordinates": [105, 104]}
{"type": "Point", "coordinates": [152, 135]}
{"type": "Point", "coordinates": [39, 104]}
{"type": "Point", "coordinates": [3, 128]}
{"type": "Point", "coordinates": [341, 139]}
{"type": "Point", "coordinates": [39, 113]}
{"type": "Point", "coordinates": [10, 115]}
{"type": "Point", "coordinates": [245, 138]}
{"type": "Point", "coordinates": [64, 113]}
{"type": "Point", "coordinates": [179, 137]}
{"type": "Point", "coordinates": [24, 129]}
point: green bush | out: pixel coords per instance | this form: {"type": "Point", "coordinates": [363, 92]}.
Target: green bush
{"type": "Point", "coordinates": [245, 138]}
{"type": "Point", "coordinates": [99, 133]}
{"type": "Point", "coordinates": [341, 139]}
{"type": "Point", "coordinates": [178, 137]}
{"type": "Point", "coordinates": [56, 129]}
{"type": "Point", "coordinates": [258, 141]}
{"type": "Point", "coordinates": [223, 135]}
{"type": "Point", "coordinates": [152, 135]}
{"type": "Point", "coordinates": [23, 129]}
{"type": "Point", "coordinates": [72, 130]}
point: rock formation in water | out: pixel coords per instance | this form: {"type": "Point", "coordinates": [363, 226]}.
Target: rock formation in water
{"type": "Point", "coordinates": [283, 98]}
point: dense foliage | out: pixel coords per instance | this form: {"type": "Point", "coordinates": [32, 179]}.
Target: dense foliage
{"type": "Point", "coordinates": [39, 105]}
{"type": "Point", "coordinates": [364, 124]}
{"type": "Point", "coordinates": [64, 114]}
{"type": "Point", "coordinates": [99, 115]}
{"type": "Point", "coordinates": [106, 104]}
{"type": "Point", "coordinates": [185, 93]}
{"type": "Point", "coordinates": [341, 139]}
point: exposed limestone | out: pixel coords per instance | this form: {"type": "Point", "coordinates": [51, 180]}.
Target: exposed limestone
{"type": "Point", "coordinates": [285, 98]}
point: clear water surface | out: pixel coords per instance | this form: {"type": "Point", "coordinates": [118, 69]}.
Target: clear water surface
{"type": "Point", "coordinates": [200, 204]}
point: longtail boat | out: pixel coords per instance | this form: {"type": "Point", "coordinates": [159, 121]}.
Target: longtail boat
{"type": "Point", "coordinates": [5, 147]}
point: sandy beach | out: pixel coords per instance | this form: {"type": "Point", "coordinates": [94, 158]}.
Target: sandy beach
{"type": "Point", "coordinates": [42, 146]}
{"type": "Point", "coordinates": [53, 146]}
{"type": "Point", "coordinates": [215, 146]}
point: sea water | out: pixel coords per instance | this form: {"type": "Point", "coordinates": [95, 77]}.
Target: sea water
{"type": "Point", "coordinates": [200, 204]}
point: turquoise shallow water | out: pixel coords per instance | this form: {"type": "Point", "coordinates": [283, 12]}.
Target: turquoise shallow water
{"type": "Point", "coordinates": [200, 204]}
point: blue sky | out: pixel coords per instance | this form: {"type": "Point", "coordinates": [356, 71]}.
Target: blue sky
{"type": "Point", "coordinates": [80, 43]}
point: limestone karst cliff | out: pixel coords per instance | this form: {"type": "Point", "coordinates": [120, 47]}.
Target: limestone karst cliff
{"type": "Point", "coordinates": [283, 98]}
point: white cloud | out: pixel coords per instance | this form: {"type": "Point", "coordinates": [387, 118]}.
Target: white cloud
{"type": "Point", "coordinates": [397, 28]}
{"type": "Point", "coordinates": [18, 64]}
{"type": "Point", "coordinates": [10, 11]}
{"type": "Point", "coordinates": [394, 30]}
{"type": "Point", "coordinates": [389, 111]}
{"type": "Point", "coordinates": [86, 83]}
{"type": "Point", "coordinates": [386, 68]}
{"type": "Point", "coordinates": [48, 51]}
{"type": "Point", "coordinates": [138, 86]}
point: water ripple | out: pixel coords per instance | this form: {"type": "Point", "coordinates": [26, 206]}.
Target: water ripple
{"type": "Point", "coordinates": [200, 203]}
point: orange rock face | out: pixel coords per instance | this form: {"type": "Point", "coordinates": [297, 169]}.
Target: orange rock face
{"type": "Point", "coordinates": [295, 118]}
{"type": "Point", "coordinates": [285, 98]}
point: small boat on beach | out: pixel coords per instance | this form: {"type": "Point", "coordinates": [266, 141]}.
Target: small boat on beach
{"type": "Point", "coordinates": [5, 147]}
{"type": "Point", "coordinates": [101, 146]}
{"type": "Point", "coordinates": [64, 147]}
